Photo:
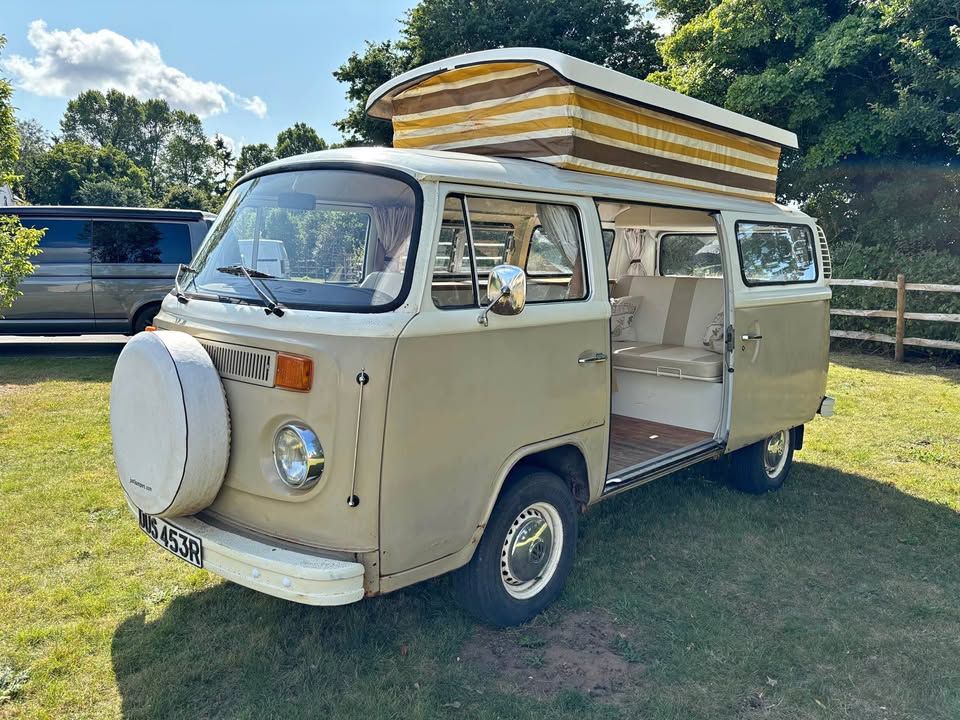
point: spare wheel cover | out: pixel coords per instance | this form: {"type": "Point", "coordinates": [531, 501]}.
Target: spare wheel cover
{"type": "Point", "coordinates": [170, 424]}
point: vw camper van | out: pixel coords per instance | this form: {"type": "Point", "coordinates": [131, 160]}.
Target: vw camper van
{"type": "Point", "coordinates": [560, 284]}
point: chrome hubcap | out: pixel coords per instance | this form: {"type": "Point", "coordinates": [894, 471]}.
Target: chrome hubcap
{"type": "Point", "coordinates": [531, 550]}
{"type": "Point", "coordinates": [775, 453]}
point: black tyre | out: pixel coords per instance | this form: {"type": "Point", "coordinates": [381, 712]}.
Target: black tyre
{"type": "Point", "coordinates": [526, 553]}
{"type": "Point", "coordinates": [763, 466]}
{"type": "Point", "coordinates": [143, 318]}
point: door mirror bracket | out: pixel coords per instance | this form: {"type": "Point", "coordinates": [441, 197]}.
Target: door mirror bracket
{"type": "Point", "coordinates": [506, 292]}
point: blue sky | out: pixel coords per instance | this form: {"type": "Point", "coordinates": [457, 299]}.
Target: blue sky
{"type": "Point", "coordinates": [248, 68]}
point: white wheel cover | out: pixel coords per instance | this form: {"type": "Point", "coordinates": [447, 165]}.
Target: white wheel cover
{"type": "Point", "coordinates": [170, 424]}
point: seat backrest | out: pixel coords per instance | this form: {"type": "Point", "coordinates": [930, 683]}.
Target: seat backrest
{"type": "Point", "coordinates": [673, 310]}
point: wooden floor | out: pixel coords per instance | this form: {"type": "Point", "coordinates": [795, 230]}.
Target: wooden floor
{"type": "Point", "coordinates": [633, 441]}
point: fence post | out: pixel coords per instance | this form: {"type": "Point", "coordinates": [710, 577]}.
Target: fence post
{"type": "Point", "coordinates": [901, 323]}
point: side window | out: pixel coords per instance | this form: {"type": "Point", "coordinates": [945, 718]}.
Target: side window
{"type": "Point", "coordinates": [609, 235]}
{"type": "Point", "coordinates": [140, 242]}
{"type": "Point", "coordinates": [690, 255]}
{"type": "Point", "coordinates": [65, 241]}
{"type": "Point", "coordinates": [776, 254]}
{"type": "Point", "coordinates": [479, 233]}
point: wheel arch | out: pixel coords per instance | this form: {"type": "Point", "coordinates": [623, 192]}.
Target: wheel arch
{"type": "Point", "coordinates": [137, 310]}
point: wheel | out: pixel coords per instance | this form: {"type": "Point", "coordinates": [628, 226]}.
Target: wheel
{"type": "Point", "coordinates": [143, 318]}
{"type": "Point", "coordinates": [526, 552]}
{"type": "Point", "coordinates": [763, 466]}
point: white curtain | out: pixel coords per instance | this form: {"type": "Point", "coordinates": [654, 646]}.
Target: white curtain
{"type": "Point", "coordinates": [633, 240]}
{"type": "Point", "coordinates": [394, 226]}
{"type": "Point", "coordinates": [560, 225]}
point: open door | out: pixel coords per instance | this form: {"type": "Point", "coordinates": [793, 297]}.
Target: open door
{"type": "Point", "coordinates": [781, 325]}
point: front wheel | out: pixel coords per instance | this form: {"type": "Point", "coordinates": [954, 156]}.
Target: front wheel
{"type": "Point", "coordinates": [526, 552]}
{"type": "Point", "coordinates": [763, 466]}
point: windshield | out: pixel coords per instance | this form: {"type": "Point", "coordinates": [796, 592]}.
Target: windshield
{"type": "Point", "coordinates": [317, 239]}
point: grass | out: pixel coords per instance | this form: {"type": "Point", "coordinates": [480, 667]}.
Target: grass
{"type": "Point", "coordinates": [838, 597]}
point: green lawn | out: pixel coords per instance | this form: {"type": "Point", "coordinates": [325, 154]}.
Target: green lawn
{"type": "Point", "coordinates": [838, 597]}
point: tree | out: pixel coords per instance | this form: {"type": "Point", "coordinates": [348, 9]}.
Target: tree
{"type": "Point", "coordinates": [34, 142]}
{"type": "Point", "coordinates": [223, 160]}
{"type": "Point", "coordinates": [17, 243]}
{"type": "Point", "coordinates": [185, 197]}
{"type": "Point", "coordinates": [112, 193]}
{"type": "Point", "coordinates": [101, 119]}
{"type": "Point", "coordinates": [56, 177]}
{"type": "Point", "coordinates": [612, 33]}
{"type": "Point", "coordinates": [185, 158]}
{"type": "Point", "coordinates": [298, 139]}
{"type": "Point", "coordinates": [252, 157]}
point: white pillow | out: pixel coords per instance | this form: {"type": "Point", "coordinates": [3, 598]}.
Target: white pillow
{"type": "Point", "coordinates": [622, 310]}
{"type": "Point", "coordinates": [713, 335]}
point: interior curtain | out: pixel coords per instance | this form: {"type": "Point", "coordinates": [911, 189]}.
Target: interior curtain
{"type": "Point", "coordinates": [560, 224]}
{"type": "Point", "coordinates": [633, 239]}
{"type": "Point", "coordinates": [394, 226]}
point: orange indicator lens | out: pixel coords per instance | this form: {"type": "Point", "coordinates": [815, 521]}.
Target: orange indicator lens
{"type": "Point", "coordinates": [294, 372]}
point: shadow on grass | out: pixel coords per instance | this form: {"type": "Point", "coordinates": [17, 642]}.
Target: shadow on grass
{"type": "Point", "coordinates": [41, 369]}
{"type": "Point", "coordinates": [920, 366]}
{"type": "Point", "coordinates": [836, 597]}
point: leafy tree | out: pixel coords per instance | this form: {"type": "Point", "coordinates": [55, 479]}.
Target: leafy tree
{"type": "Point", "coordinates": [56, 177]}
{"type": "Point", "coordinates": [185, 158]}
{"type": "Point", "coordinates": [111, 118]}
{"type": "Point", "coordinates": [34, 141]}
{"type": "Point", "coordinates": [17, 243]}
{"type": "Point", "coordinates": [252, 157]}
{"type": "Point", "coordinates": [111, 193]}
{"type": "Point", "coordinates": [223, 160]}
{"type": "Point", "coordinates": [612, 33]}
{"type": "Point", "coordinates": [185, 197]}
{"type": "Point", "coordinates": [298, 139]}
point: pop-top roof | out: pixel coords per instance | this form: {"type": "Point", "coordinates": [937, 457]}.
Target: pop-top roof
{"type": "Point", "coordinates": [544, 105]}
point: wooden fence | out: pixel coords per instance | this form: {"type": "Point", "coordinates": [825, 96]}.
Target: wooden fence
{"type": "Point", "coordinates": [900, 315]}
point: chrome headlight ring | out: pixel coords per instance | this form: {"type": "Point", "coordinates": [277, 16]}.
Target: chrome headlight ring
{"type": "Point", "coordinates": [298, 455]}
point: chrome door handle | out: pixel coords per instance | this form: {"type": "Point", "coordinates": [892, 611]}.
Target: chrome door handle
{"type": "Point", "coordinates": [595, 358]}
{"type": "Point", "coordinates": [751, 337]}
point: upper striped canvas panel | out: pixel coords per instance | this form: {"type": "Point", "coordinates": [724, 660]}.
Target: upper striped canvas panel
{"type": "Point", "coordinates": [527, 110]}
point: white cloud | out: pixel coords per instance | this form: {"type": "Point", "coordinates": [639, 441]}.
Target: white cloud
{"type": "Point", "coordinates": [68, 62]}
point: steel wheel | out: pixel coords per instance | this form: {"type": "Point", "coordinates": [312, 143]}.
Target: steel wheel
{"type": "Point", "coordinates": [531, 550]}
{"type": "Point", "coordinates": [775, 453]}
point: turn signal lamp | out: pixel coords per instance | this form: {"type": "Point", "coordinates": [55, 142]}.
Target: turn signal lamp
{"type": "Point", "coordinates": [294, 372]}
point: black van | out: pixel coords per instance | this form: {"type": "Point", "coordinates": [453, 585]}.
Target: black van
{"type": "Point", "coordinates": [101, 269]}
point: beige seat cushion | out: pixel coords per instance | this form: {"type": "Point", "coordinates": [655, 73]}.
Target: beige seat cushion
{"type": "Point", "coordinates": [671, 360]}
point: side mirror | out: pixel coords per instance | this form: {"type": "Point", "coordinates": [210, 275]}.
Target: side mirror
{"type": "Point", "coordinates": [506, 292]}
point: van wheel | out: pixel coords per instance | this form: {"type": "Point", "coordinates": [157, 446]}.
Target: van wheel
{"type": "Point", "coordinates": [143, 318]}
{"type": "Point", "coordinates": [526, 552]}
{"type": "Point", "coordinates": [763, 466]}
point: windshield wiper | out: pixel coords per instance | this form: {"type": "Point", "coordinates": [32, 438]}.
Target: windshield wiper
{"type": "Point", "coordinates": [181, 296]}
{"type": "Point", "coordinates": [271, 306]}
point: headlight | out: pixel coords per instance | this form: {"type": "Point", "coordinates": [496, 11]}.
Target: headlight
{"type": "Point", "coordinates": [298, 455]}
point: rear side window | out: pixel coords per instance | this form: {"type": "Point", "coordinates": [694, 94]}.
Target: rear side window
{"type": "Point", "coordinates": [65, 241]}
{"type": "Point", "coordinates": [140, 242]}
{"type": "Point", "coordinates": [772, 254]}
{"type": "Point", "coordinates": [690, 255]}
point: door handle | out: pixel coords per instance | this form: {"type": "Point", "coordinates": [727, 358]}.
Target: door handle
{"type": "Point", "coordinates": [751, 337]}
{"type": "Point", "coordinates": [595, 358]}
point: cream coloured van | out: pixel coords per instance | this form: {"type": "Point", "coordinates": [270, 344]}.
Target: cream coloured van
{"type": "Point", "coordinates": [561, 283]}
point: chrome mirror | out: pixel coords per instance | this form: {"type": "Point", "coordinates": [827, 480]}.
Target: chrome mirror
{"type": "Point", "coordinates": [506, 292]}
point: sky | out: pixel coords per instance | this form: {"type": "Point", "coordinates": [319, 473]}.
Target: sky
{"type": "Point", "coordinates": [248, 68]}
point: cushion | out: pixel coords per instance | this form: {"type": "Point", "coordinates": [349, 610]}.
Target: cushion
{"type": "Point", "coordinates": [713, 335]}
{"type": "Point", "coordinates": [622, 312]}
{"type": "Point", "coordinates": [670, 360]}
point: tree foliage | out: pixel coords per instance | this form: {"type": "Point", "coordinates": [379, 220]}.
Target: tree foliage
{"type": "Point", "coordinates": [607, 32]}
{"type": "Point", "coordinates": [56, 177]}
{"type": "Point", "coordinates": [298, 139]}
{"type": "Point", "coordinates": [253, 156]}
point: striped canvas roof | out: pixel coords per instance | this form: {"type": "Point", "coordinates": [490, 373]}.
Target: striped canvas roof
{"type": "Point", "coordinates": [503, 103]}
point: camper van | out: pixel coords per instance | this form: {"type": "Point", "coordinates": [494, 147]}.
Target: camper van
{"type": "Point", "coordinates": [560, 284]}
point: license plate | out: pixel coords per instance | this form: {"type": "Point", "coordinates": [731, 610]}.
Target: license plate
{"type": "Point", "coordinates": [184, 545]}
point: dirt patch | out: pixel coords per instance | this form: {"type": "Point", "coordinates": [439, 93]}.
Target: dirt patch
{"type": "Point", "coordinates": [585, 651]}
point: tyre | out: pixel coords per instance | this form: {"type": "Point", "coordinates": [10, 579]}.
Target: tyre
{"type": "Point", "coordinates": [525, 554]}
{"type": "Point", "coordinates": [763, 466]}
{"type": "Point", "coordinates": [143, 318]}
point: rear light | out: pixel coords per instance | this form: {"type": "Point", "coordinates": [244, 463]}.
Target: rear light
{"type": "Point", "coordinates": [294, 372]}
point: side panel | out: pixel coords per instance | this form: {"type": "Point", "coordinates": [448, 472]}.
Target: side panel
{"type": "Point", "coordinates": [780, 369]}
{"type": "Point", "coordinates": [464, 398]}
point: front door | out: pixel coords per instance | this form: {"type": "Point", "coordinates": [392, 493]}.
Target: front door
{"type": "Point", "coordinates": [781, 325]}
{"type": "Point", "coordinates": [465, 397]}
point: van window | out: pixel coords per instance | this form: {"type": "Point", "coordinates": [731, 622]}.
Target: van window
{"type": "Point", "coordinates": [690, 255]}
{"type": "Point", "coordinates": [140, 242]}
{"type": "Point", "coordinates": [543, 237]}
{"type": "Point", "coordinates": [776, 254]}
{"type": "Point", "coordinates": [65, 241]}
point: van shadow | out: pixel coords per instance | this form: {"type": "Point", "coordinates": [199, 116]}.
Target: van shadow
{"type": "Point", "coordinates": [832, 550]}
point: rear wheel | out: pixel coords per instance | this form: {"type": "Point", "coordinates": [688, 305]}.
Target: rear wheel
{"type": "Point", "coordinates": [526, 552]}
{"type": "Point", "coordinates": [143, 318]}
{"type": "Point", "coordinates": [763, 466]}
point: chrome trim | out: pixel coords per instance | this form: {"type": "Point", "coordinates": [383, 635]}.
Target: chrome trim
{"type": "Point", "coordinates": [315, 456]}
{"type": "Point", "coordinates": [751, 337]}
{"type": "Point", "coordinates": [595, 358]}
{"type": "Point", "coordinates": [506, 292]}
{"type": "Point", "coordinates": [362, 379]}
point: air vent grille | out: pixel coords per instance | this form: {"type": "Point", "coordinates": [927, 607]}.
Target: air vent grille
{"type": "Point", "coordinates": [235, 362]}
{"type": "Point", "coordinates": [825, 260]}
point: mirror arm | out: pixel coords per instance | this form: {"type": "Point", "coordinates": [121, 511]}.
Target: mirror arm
{"type": "Point", "coordinates": [483, 319]}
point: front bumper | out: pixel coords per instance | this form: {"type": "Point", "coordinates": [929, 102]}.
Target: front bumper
{"type": "Point", "coordinates": [288, 574]}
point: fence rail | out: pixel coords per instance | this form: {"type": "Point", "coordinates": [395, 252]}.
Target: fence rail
{"type": "Point", "coordinates": [900, 315]}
